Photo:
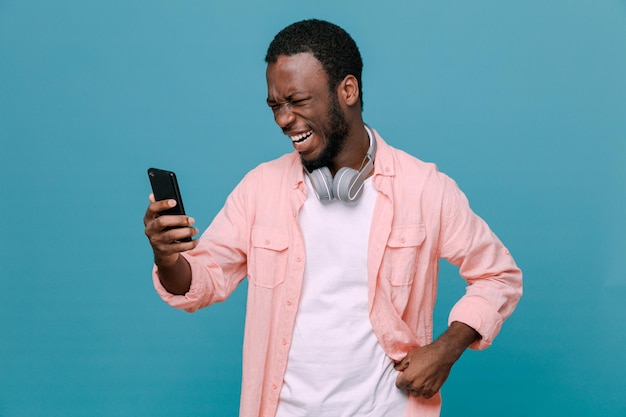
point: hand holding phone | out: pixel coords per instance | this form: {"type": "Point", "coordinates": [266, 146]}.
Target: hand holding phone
{"type": "Point", "coordinates": [165, 187]}
{"type": "Point", "coordinates": [167, 244]}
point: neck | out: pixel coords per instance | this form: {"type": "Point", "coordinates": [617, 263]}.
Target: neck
{"type": "Point", "coordinates": [354, 150]}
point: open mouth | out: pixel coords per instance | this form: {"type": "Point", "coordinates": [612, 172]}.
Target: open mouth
{"type": "Point", "coordinates": [301, 137]}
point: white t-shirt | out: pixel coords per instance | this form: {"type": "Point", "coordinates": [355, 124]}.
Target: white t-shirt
{"type": "Point", "coordinates": [336, 366]}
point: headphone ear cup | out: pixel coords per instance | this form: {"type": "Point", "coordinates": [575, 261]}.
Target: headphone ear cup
{"type": "Point", "coordinates": [344, 178]}
{"type": "Point", "coordinates": [322, 181]}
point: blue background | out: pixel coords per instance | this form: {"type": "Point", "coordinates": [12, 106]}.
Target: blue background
{"type": "Point", "coordinates": [523, 103]}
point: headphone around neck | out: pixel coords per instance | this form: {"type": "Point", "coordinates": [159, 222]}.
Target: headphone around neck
{"type": "Point", "coordinates": [347, 185]}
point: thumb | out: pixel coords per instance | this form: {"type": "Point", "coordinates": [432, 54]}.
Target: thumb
{"type": "Point", "coordinates": [402, 365]}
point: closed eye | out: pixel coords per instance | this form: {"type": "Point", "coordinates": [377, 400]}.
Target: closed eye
{"type": "Point", "coordinates": [275, 106]}
{"type": "Point", "coordinates": [300, 102]}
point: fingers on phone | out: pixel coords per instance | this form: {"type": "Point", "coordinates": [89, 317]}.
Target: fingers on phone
{"type": "Point", "coordinates": [157, 207]}
{"type": "Point", "coordinates": [172, 220]}
{"type": "Point", "coordinates": [181, 235]}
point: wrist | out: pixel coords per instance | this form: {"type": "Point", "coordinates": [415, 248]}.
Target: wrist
{"type": "Point", "coordinates": [166, 261]}
{"type": "Point", "coordinates": [174, 275]}
{"type": "Point", "coordinates": [457, 338]}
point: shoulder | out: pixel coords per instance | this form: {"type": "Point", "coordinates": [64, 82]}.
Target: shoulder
{"type": "Point", "coordinates": [410, 170]}
{"type": "Point", "coordinates": [274, 170]}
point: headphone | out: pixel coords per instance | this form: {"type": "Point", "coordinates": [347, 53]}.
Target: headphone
{"type": "Point", "coordinates": [347, 185]}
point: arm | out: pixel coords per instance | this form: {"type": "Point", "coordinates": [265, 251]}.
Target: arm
{"type": "Point", "coordinates": [196, 274]}
{"type": "Point", "coordinates": [494, 288]}
{"type": "Point", "coordinates": [494, 280]}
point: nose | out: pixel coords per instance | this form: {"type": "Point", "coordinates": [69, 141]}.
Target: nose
{"type": "Point", "coordinates": [284, 117]}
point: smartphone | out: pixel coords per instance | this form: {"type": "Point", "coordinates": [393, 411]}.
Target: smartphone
{"type": "Point", "coordinates": [165, 187]}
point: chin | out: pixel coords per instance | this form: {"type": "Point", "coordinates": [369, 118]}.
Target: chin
{"type": "Point", "coordinates": [311, 164]}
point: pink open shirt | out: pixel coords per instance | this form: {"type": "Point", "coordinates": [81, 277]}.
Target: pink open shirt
{"type": "Point", "coordinates": [420, 216]}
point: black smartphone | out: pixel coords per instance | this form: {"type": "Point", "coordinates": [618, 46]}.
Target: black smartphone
{"type": "Point", "coordinates": [165, 187]}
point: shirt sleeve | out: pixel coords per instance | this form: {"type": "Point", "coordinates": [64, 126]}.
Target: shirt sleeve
{"type": "Point", "coordinates": [494, 280]}
{"type": "Point", "coordinates": [219, 262]}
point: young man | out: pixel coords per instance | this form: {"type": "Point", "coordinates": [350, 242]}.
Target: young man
{"type": "Point", "coordinates": [340, 241]}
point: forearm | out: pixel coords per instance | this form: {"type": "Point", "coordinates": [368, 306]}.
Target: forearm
{"type": "Point", "coordinates": [424, 369]}
{"type": "Point", "coordinates": [456, 339]}
{"type": "Point", "coordinates": [175, 277]}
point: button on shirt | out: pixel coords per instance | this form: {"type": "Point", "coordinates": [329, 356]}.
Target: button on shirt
{"type": "Point", "coordinates": [420, 216]}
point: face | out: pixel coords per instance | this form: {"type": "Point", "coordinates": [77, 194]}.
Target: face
{"type": "Point", "coordinates": [305, 108]}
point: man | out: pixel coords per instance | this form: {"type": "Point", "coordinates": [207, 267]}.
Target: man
{"type": "Point", "coordinates": [340, 241]}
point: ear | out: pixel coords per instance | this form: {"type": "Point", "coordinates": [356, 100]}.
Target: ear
{"type": "Point", "coordinates": [348, 91]}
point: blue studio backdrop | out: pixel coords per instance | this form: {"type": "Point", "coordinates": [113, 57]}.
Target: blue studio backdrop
{"type": "Point", "coordinates": [522, 102]}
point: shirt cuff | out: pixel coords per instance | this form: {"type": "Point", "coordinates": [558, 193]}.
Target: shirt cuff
{"type": "Point", "coordinates": [477, 313]}
{"type": "Point", "coordinates": [190, 301]}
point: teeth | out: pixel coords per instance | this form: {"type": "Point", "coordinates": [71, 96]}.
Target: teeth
{"type": "Point", "coordinates": [301, 137]}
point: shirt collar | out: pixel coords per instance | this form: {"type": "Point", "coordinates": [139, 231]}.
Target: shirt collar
{"type": "Point", "coordinates": [383, 163]}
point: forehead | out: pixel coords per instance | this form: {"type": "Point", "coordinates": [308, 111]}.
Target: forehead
{"type": "Point", "coordinates": [295, 73]}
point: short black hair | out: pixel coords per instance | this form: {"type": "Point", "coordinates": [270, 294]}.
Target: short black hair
{"type": "Point", "coordinates": [329, 44]}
